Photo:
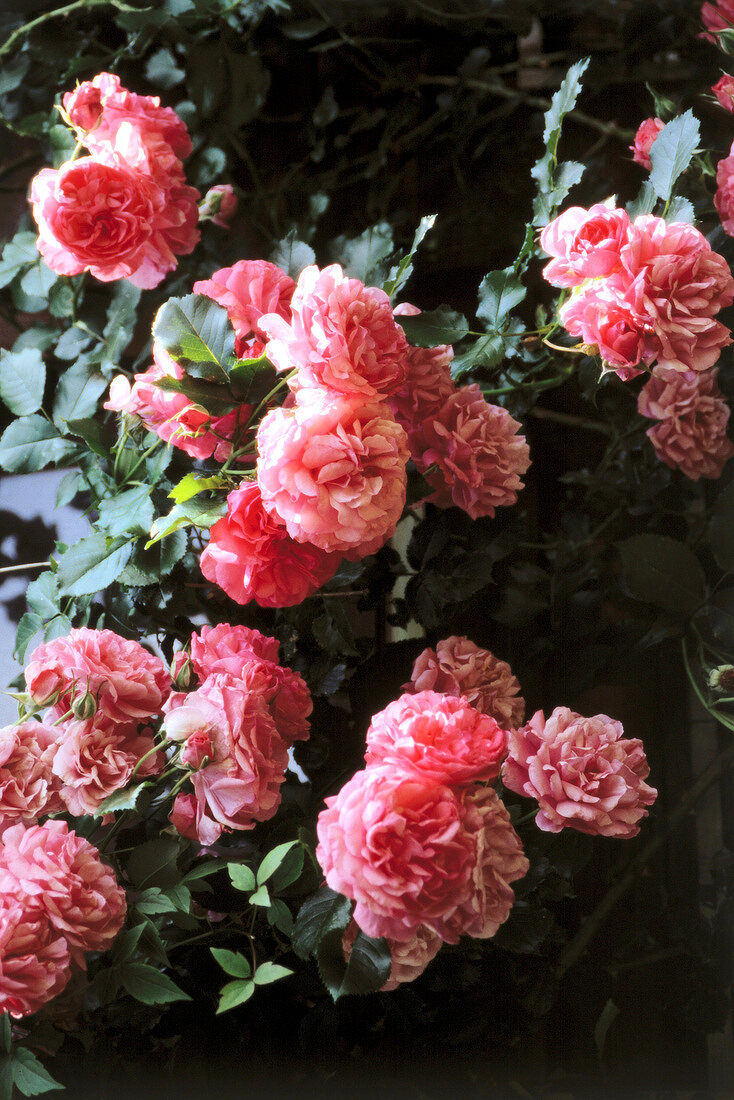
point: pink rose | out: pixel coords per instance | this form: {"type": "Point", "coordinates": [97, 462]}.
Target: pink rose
{"type": "Point", "coordinates": [34, 959]}
{"type": "Point", "coordinates": [723, 89]}
{"type": "Point", "coordinates": [127, 681]}
{"type": "Point", "coordinates": [183, 817]}
{"type": "Point", "coordinates": [218, 205]}
{"type": "Point", "coordinates": [428, 382]}
{"type": "Point", "coordinates": [225, 648]}
{"type": "Point", "coordinates": [96, 757]}
{"type": "Point", "coordinates": [332, 470]}
{"type": "Point", "coordinates": [459, 667]}
{"type": "Point", "coordinates": [724, 197]}
{"type": "Point", "coordinates": [585, 244]}
{"type": "Point", "coordinates": [692, 418]}
{"type": "Point", "coordinates": [717, 17]}
{"type": "Point", "coordinates": [394, 843]}
{"type": "Point", "coordinates": [644, 139]}
{"type": "Point", "coordinates": [342, 336]}
{"type": "Point", "coordinates": [61, 874]}
{"type": "Point", "coordinates": [251, 556]}
{"type": "Point", "coordinates": [478, 450]}
{"type": "Point", "coordinates": [583, 772]}
{"type": "Point", "coordinates": [28, 787]}
{"type": "Point", "coordinates": [248, 290]}
{"type": "Point", "coordinates": [409, 959]}
{"type": "Point", "coordinates": [607, 325]}
{"type": "Point", "coordinates": [173, 416]}
{"type": "Point", "coordinates": [440, 737]}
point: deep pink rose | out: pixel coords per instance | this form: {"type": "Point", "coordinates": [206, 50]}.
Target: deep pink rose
{"type": "Point", "coordinates": [409, 959]}
{"type": "Point", "coordinates": [34, 959]}
{"type": "Point", "coordinates": [607, 325]}
{"type": "Point", "coordinates": [583, 772]}
{"type": "Point", "coordinates": [723, 89]}
{"type": "Point", "coordinates": [96, 757]}
{"type": "Point", "coordinates": [724, 197]}
{"type": "Point", "coordinates": [717, 17]}
{"type": "Point", "coordinates": [59, 872]}
{"type": "Point", "coordinates": [28, 787]}
{"type": "Point", "coordinates": [342, 336]}
{"type": "Point", "coordinates": [394, 843]}
{"type": "Point", "coordinates": [251, 556]}
{"type": "Point", "coordinates": [644, 138]}
{"type": "Point", "coordinates": [585, 244]}
{"type": "Point", "coordinates": [440, 737]}
{"type": "Point", "coordinates": [332, 470]}
{"type": "Point", "coordinates": [428, 380]}
{"type": "Point", "coordinates": [692, 418]}
{"type": "Point", "coordinates": [224, 648]}
{"type": "Point", "coordinates": [183, 817]}
{"type": "Point", "coordinates": [248, 290]}
{"type": "Point", "coordinates": [127, 681]}
{"type": "Point", "coordinates": [459, 667]}
{"type": "Point", "coordinates": [478, 450]}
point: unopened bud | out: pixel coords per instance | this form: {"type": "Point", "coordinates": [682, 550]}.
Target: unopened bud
{"type": "Point", "coordinates": [721, 678]}
{"type": "Point", "coordinates": [84, 706]}
{"type": "Point", "coordinates": [181, 670]}
{"type": "Point", "coordinates": [218, 205]}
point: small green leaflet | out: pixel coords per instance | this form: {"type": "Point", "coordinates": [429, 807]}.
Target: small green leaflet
{"type": "Point", "coordinates": [400, 274]}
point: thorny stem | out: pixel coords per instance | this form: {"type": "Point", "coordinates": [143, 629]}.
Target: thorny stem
{"type": "Point", "coordinates": [78, 5]}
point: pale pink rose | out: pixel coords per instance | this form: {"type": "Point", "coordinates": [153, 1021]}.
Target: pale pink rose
{"type": "Point", "coordinates": [34, 959]}
{"type": "Point", "coordinates": [28, 787]}
{"type": "Point", "coordinates": [173, 416]}
{"type": "Point", "coordinates": [459, 667]}
{"type": "Point", "coordinates": [127, 681]}
{"type": "Point", "coordinates": [394, 843]}
{"type": "Point", "coordinates": [332, 470]}
{"type": "Point", "coordinates": [717, 17]}
{"type": "Point", "coordinates": [224, 648]}
{"type": "Point", "coordinates": [585, 244]}
{"type": "Point", "coordinates": [251, 556]}
{"type": "Point", "coordinates": [692, 418]}
{"type": "Point", "coordinates": [219, 205]}
{"type": "Point", "coordinates": [582, 771]}
{"type": "Point", "coordinates": [409, 959]}
{"type": "Point", "coordinates": [428, 380]}
{"type": "Point", "coordinates": [96, 757]}
{"type": "Point", "coordinates": [59, 872]}
{"type": "Point", "coordinates": [645, 137]}
{"type": "Point", "coordinates": [440, 737]}
{"type": "Point", "coordinates": [248, 290]}
{"type": "Point", "coordinates": [606, 325]}
{"type": "Point", "coordinates": [197, 749]}
{"type": "Point", "coordinates": [674, 283]}
{"type": "Point", "coordinates": [723, 89]}
{"type": "Point", "coordinates": [478, 450]}
{"type": "Point", "coordinates": [498, 861]}
{"type": "Point", "coordinates": [96, 217]}
{"type": "Point", "coordinates": [102, 105]}
{"type": "Point", "coordinates": [342, 336]}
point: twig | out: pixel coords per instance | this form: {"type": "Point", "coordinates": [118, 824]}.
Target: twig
{"type": "Point", "coordinates": [22, 568]}
{"type": "Point", "coordinates": [78, 5]}
{"type": "Point", "coordinates": [572, 421]}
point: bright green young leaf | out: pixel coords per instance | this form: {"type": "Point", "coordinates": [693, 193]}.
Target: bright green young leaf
{"type": "Point", "coordinates": [438, 326]}
{"type": "Point", "coordinates": [191, 485]}
{"type": "Point", "coordinates": [22, 379]}
{"type": "Point", "coordinates": [232, 962]}
{"type": "Point", "coordinates": [234, 994]}
{"type": "Point", "coordinates": [31, 443]}
{"type": "Point", "coordinates": [269, 972]}
{"type": "Point", "coordinates": [261, 897]}
{"type": "Point", "coordinates": [671, 152]}
{"type": "Point", "coordinates": [192, 513]}
{"type": "Point", "coordinates": [198, 334]}
{"type": "Point", "coordinates": [242, 877]}
{"type": "Point", "coordinates": [288, 856]}
{"type": "Point", "coordinates": [92, 564]}
{"type": "Point", "coordinates": [148, 985]}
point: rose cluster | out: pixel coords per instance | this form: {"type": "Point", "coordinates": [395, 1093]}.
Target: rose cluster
{"type": "Point", "coordinates": [124, 211]}
{"type": "Point", "coordinates": [232, 732]}
{"type": "Point", "coordinates": [57, 901]}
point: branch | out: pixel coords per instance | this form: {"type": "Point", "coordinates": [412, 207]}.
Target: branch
{"type": "Point", "coordinates": [78, 5]}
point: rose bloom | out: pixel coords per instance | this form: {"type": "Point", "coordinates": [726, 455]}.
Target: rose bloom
{"type": "Point", "coordinates": [60, 873]}
{"type": "Point", "coordinates": [459, 667]}
{"type": "Point", "coordinates": [173, 416]}
{"type": "Point", "coordinates": [224, 648]}
{"type": "Point", "coordinates": [428, 382]}
{"type": "Point", "coordinates": [251, 556]}
{"type": "Point", "coordinates": [183, 817]}
{"type": "Point", "coordinates": [498, 861]}
{"type": "Point", "coordinates": [644, 138]}
{"type": "Point", "coordinates": [674, 283]}
{"type": "Point", "coordinates": [724, 197]}
{"type": "Point", "coordinates": [220, 203]}
{"type": "Point", "coordinates": [692, 418]}
{"type": "Point", "coordinates": [606, 325]}
{"type": "Point", "coordinates": [96, 757]}
{"type": "Point", "coordinates": [440, 737]}
{"type": "Point", "coordinates": [248, 290]}
{"type": "Point", "coordinates": [28, 787]}
{"type": "Point", "coordinates": [478, 450]}
{"type": "Point", "coordinates": [585, 244]}
{"type": "Point", "coordinates": [717, 17]}
{"type": "Point", "coordinates": [332, 470]}
{"type": "Point", "coordinates": [342, 336]}
{"type": "Point", "coordinates": [34, 959]}
{"type": "Point", "coordinates": [127, 681]}
{"type": "Point", "coordinates": [393, 842]}
{"type": "Point", "coordinates": [409, 960]}
{"type": "Point", "coordinates": [723, 89]}
{"type": "Point", "coordinates": [584, 774]}
{"type": "Point", "coordinates": [97, 217]}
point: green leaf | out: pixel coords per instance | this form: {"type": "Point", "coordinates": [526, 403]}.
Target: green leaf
{"type": "Point", "coordinates": [563, 101]}
{"type": "Point", "coordinates": [13, 72]}
{"type": "Point", "coordinates": [234, 994]}
{"type": "Point", "coordinates": [671, 152]}
{"type": "Point", "coordinates": [191, 485]}
{"type": "Point", "coordinates": [606, 1018]}
{"type": "Point", "coordinates": [664, 572]}
{"type": "Point", "coordinates": [126, 943]}
{"type": "Point", "coordinates": [92, 564]}
{"type": "Point", "coordinates": [154, 863]}
{"type": "Point", "coordinates": [553, 183]}
{"type": "Point", "coordinates": [38, 280]}
{"type": "Point", "coordinates": [438, 326]}
{"type": "Point", "coordinates": [69, 486]}
{"type": "Point", "coordinates": [129, 512]}
{"type": "Point", "coordinates": [261, 897]}
{"type": "Point", "coordinates": [42, 595]}
{"type": "Point", "coordinates": [279, 916]}
{"type": "Point", "coordinates": [680, 210]}
{"type": "Point", "coordinates": [362, 256]}
{"type": "Point", "coordinates": [292, 255]}
{"type": "Point", "coordinates": [284, 862]}
{"type": "Point", "coordinates": [485, 353]}
{"type": "Point", "coordinates": [148, 985]}
{"type": "Point", "coordinates": [198, 334]}
{"type": "Point", "coordinates": [161, 69]}
{"type": "Point", "coordinates": [30, 624]}
{"type": "Point", "coordinates": [121, 800]}
{"type": "Point", "coordinates": [499, 293]}
{"type": "Point", "coordinates": [215, 399]}
{"type": "Point", "coordinates": [366, 971]}
{"type": "Point", "coordinates": [208, 867]}
{"type": "Point", "coordinates": [154, 902]}
{"type": "Point", "coordinates": [31, 443]}
{"type": "Point", "coordinates": [97, 436]}
{"type": "Point", "coordinates": [232, 962]}
{"type": "Point", "coordinates": [22, 379]}
{"type": "Point", "coordinates": [30, 1076]}
{"type": "Point", "coordinates": [326, 911]}
{"type": "Point", "coordinates": [242, 877]}
{"type": "Point", "coordinates": [252, 379]}
{"type": "Point", "coordinates": [77, 393]}
{"type": "Point", "coordinates": [17, 254]}
{"type": "Point", "coordinates": [269, 972]}
{"type": "Point", "coordinates": [192, 513]}
{"type": "Point", "coordinates": [121, 318]}
{"type": "Point", "coordinates": [644, 203]}
{"type": "Point", "coordinates": [400, 274]}
{"type": "Point", "coordinates": [721, 529]}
